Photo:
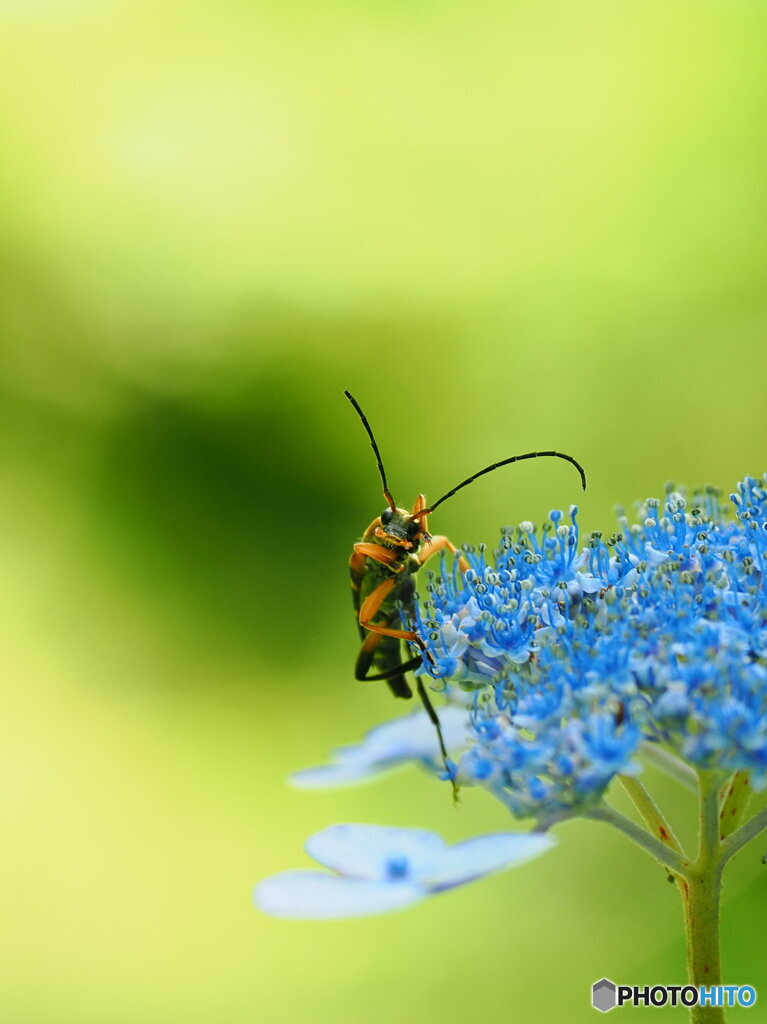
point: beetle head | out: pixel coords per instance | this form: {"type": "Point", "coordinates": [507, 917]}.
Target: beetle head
{"type": "Point", "coordinates": [399, 528]}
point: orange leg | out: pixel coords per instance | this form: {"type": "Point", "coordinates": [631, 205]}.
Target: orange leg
{"type": "Point", "coordinates": [386, 556]}
{"type": "Point", "coordinates": [373, 601]}
{"type": "Point", "coordinates": [436, 544]}
{"type": "Point", "coordinates": [372, 604]}
{"type": "Point", "coordinates": [420, 503]}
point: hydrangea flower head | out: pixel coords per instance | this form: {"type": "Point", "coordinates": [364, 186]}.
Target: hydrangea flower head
{"type": "Point", "coordinates": [577, 655]}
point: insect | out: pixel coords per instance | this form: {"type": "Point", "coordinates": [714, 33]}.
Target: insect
{"type": "Point", "coordinates": [393, 548]}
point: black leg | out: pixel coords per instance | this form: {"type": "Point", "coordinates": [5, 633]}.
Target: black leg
{"type": "Point", "coordinates": [395, 677]}
{"type": "Point", "coordinates": [429, 709]}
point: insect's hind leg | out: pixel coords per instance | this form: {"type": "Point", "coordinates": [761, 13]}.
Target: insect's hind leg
{"type": "Point", "coordinates": [434, 718]}
{"type": "Point", "coordinates": [394, 675]}
{"type": "Point", "coordinates": [407, 666]}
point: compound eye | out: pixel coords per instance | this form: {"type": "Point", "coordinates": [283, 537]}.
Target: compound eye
{"type": "Point", "coordinates": [386, 517]}
{"type": "Point", "coordinates": [413, 529]}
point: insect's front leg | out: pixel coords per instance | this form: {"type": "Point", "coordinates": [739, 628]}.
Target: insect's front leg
{"type": "Point", "coordinates": [364, 549]}
{"type": "Point", "coordinates": [419, 506]}
{"type": "Point", "coordinates": [436, 544]}
{"type": "Point", "coordinates": [372, 604]}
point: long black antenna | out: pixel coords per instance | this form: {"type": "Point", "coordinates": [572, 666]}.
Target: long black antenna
{"type": "Point", "coordinates": [505, 462]}
{"type": "Point", "coordinates": [381, 470]}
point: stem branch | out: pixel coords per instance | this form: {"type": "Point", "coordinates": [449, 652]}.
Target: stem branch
{"type": "Point", "coordinates": [653, 817]}
{"type": "Point", "coordinates": [672, 765]}
{"type": "Point", "coordinates": [670, 858]}
{"type": "Point", "coordinates": [744, 835]}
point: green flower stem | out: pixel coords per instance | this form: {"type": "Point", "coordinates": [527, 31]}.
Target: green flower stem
{"type": "Point", "coordinates": [708, 828]}
{"type": "Point", "coordinates": [701, 892]}
{"type": "Point", "coordinates": [699, 882]}
{"type": "Point", "coordinates": [700, 901]}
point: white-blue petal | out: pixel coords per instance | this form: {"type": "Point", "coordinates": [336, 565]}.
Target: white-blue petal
{"type": "Point", "coordinates": [314, 895]}
{"type": "Point", "coordinates": [589, 583]}
{"type": "Point", "coordinates": [413, 736]}
{"type": "Point", "coordinates": [408, 738]}
{"type": "Point", "coordinates": [340, 773]}
{"type": "Point", "coordinates": [375, 851]}
{"type": "Point", "coordinates": [481, 856]}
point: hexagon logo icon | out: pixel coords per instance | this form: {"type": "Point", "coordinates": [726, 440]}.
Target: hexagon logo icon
{"type": "Point", "coordinates": [603, 995]}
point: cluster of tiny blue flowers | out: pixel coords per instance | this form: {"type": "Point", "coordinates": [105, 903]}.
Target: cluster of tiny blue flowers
{"type": "Point", "coordinates": [579, 655]}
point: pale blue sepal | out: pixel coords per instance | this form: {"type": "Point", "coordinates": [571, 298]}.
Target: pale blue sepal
{"type": "Point", "coordinates": [482, 856]}
{"type": "Point", "coordinates": [408, 738]}
{"type": "Point", "coordinates": [314, 895]}
{"type": "Point", "coordinates": [376, 851]}
{"type": "Point", "coordinates": [338, 773]}
{"type": "Point", "coordinates": [412, 737]}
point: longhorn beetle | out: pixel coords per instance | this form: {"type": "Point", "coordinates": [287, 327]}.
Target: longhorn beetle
{"type": "Point", "coordinates": [394, 547]}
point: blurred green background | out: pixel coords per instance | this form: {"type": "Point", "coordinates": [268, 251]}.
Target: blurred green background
{"type": "Point", "coordinates": [503, 226]}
